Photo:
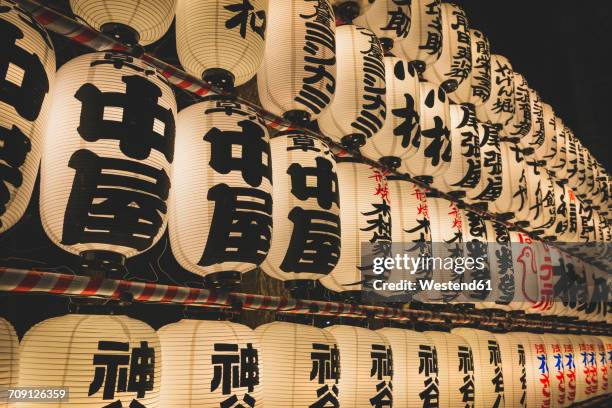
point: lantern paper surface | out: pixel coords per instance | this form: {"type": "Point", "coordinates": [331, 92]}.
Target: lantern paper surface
{"type": "Point", "coordinates": [475, 237]}
{"type": "Point", "coordinates": [514, 198]}
{"type": "Point", "coordinates": [365, 216]}
{"type": "Point", "coordinates": [556, 368]}
{"type": "Point", "coordinates": [298, 71]}
{"type": "Point", "coordinates": [602, 364]}
{"type": "Point", "coordinates": [210, 364]}
{"type": "Point", "coordinates": [606, 359]}
{"type": "Point", "coordinates": [499, 108]}
{"type": "Point", "coordinates": [105, 172]}
{"type": "Point", "coordinates": [520, 125]}
{"type": "Point", "coordinates": [149, 18]}
{"type": "Point", "coordinates": [455, 63]}
{"type": "Point", "coordinates": [569, 368]}
{"type": "Point", "coordinates": [358, 107]}
{"type": "Point", "coordinates": [366, 367]}
{"type": "Point", "coordinates": [9, 357]}
{"type": "Point", "coordinates": [560, 168]}
{"type": "Point", "coordinates": [101, 359]}
{"type": "Point", "coordinates": [527, 259]}
{"type": "Point", "coordinates": [515, 351]}
{"type": "Point", "coordinates": [490, 185]}
{"type": "Point", "coordinates": [538, 372]}
{"type": "Point", "coordinates": [27, 70]}
{"type": "Point", "coordinates": [544, 207]}
{"type": "Point", "coordinates": [476, 88]}
{"type": "Point", "coordinates": [221, 203]}
{"type": "Point", "coordinates": [300, 365]}
{"type": "Point", "coordinates": [536, 135]}
{"type": "Point", "coordinates": [221, 34]}
{"type": "Point", "coordinates": [586, 367]}
{"type": "Point", "coordinates": [548, 150]}
{"type": "Point", "coordinates": [500, 266]}
{"type": "Point", "coordinates": [388, 19]}
{"type": "Point", "coordinates": [424, 41]}
{"type": "Point", "coordinates": [306, 209]}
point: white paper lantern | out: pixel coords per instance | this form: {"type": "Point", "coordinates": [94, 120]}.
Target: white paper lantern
{"type": "Point", "coordinates": [300, 365]}
{"type": "Point", "coordinates": [415, 368]}
{"type": "Point", "coordinates": [9, 358]}
{"type": "Point", "coordinates": [456, 370]}
{"type": "Point", "coordinates": [100, 359]}
{"type": "Point", "coordinates": [476, 89]}
{"type": "Point", "coordinates": [605, 358]}
{"type": "Point", "coordinates": [535, 138]}
{"type": "Point", "coordinates": [365, 216]}
{"type": "Point", "coordinates": [455, 63]}
{"type": "Point", "coordinates": [476, 251]}
{"type": "Point", "coordinates": [555, 361]}
{"type": "Point", "coordinates": [490, 185]}
{"type": "Point", "coordinates": [499, 108]}
{"type": "Point", "coordinates": [586, 367]}
{"type": "Point", "coordinates": [400, 136]}
{"type": "Point", "coordinates": [221, 41]}
{"type": "Point", "coordinates": [544, 205]}
{"type": "Point", "coordinates": [388, 19]}
{"type": "Point", "coordinates": [569, 368]}
{"type": "Point", "coordinates": [592, 345]}
{"type": "Point", "coordinates": [149, 19]}
{"type": "Point", "coordinates": [210, 364]}
{"type": "Point", "coordinates": [515, 352]}
{"type": "Point", "coordinates": [547, 151]}
{"type": "Point", "coordinates": [423, 45]}
{"type": "Point", "coordinates": [221, 201]}
{"type": "Point", "coordinates": [27, 71]}
{"type": "Point", "coordinates": [571, 164]}
{"type": "Point", "coordinates": [489, 380]}
{"type": "Point", "coordinates": [297, 76]}
{"type": "Point", "coordinates": [520, 125]}
{"type": "Point", "coordinates": [105, 172]}
{"type": "Point", "coordinates": [366, 367]}
{"type": "Point", "coordinates": [306, 209]}
{"type": "Point", "coordinates": [434, 154]}
{"type": "Point", "coordinates": [560, 168]}
{"type": "Point", "coordinates": [602, 364]}
{"type": "Point", "coordinates": [539, 374]}
{"type": "Point", "coordinates": [358, 109]}
{"type": "Point", "coordinates": [526, 260]}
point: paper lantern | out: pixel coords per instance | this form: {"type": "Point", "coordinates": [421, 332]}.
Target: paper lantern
{"type": "Point", "coordinates": [535, 138]}
{"type": "Point", "coordinates": [300, 365]}
{"type": "Point", "coordinates": [133, 21]}
{"type": "Point", "coordinates": [365, 216]}
{"type": "Point", "coordinates": [415, 368]}
{"type": "Point", "coordinates": [9, 357]}
{"type": "Point", "coordinates": [560, 168]}
{"type": "Point", "coordinates": [516, 354]}
{"type": "Point", "coordinates": [476, 263]}
{"type": "Point", "coordinates": [488, 378]}
{"type": "Point", "coordinates": [463, 172]}
{"type": "Point", "coordinates": [423, 45]}
{"type": "Point", "coordinates": [556, 367]}
{"type": "Point", "coordinates": [526, 261]}
{"type": "Point", "coordinates": [434, 153]}
{"type": "Point", "coordinates": [602, 364]}
{"type": "Point", "coordinates": [539, 374]}
{"type": "Point", "coordinates": [221, 41]}
{"type": "Point", "coordinates": [221, 201]}
{"type": "Point", "coordinates": [105, 172]}
{"type": "Point", "coordinates": [306, 212]}
{"type": "Point", "coordinates": [209, 363]}
{"type": "Point", "coordinates": [569, 368]}
{"type": "Point", "coordinates": [358, 109]}
{"type": "Point", "coordinates": [366, 367]}
{"type": "Point", "coordinates": [520, 125]}
{"type": "Point", "coordinates": [590, 187]}
{"type": "Point", "coordinates": [544, 207]}
{"type": "Point", "coordinates": [490, 185]}
{"type": "Point", "coordinates": [565, 203]}
{"type": "Point", "coordinates": [586, 362]}
{"type": "Point", "coordinates": [297, 77]}
{"type": "Point", "coordinates": [476, 88]}
{"type": "Point", "coordinates": [102, 360]}
{"type": "Point", "coordinates": [602, 181]}
{"type": "Point", "coordinates": [388, 19]}
{"type": "Point", "coordinates": [605, 359]}
{"type": "Point", "coordinates": [400, 136]}
{"type": "Point", "coordinates": [571, 164]}
{"type": "Point", "coordinates": [27, 70]}
{"type": "Point", "coordinates": [499, 108]}
{"type": "Point", "coordinates": [547, 151]}
{"type": "Point", "coordinates": [456, 370]}
{"type": "Point", "coordinates": [455, 63]}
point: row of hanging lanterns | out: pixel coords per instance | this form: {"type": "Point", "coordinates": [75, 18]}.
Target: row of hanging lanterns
{"type": "Point", "coordinates": [117, 360]}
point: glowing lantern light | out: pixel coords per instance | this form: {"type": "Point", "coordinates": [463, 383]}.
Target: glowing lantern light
{"type": "Point", "coordinates": [547, 151]}
{"type": "Point", "coordinates": [535, 138]}
{"type": "Point", "coordinates": [539, 374]}
{"type": "Point", "coordinates": [520, 125]}
{"type": "Point", "coordinates": [209, 363]}
{"type": "Point", "coordinates": [556, 367]}
{"type": "Point", "coordinates": [388, 19]}
{"type": "Point", "coordinates": [27, 71]}
{"type": "Point", "coordinates": [605, 358]}
{"type": "Point", "coordinates": [476, 89]}
{"type": "Point", "coordinates": [569, 368]}
{"type": "Point", "coordinates": [515, 351]}
{"type": "Point", "coordinates": [560, 169]}
{"type": "Point", "coordinates": [490, 185]}
{"type": "Point", "coordinates": [499, 108]}
{"type": "Point", "coordinates": [9, 357]}
{"type": "Point", "coordinates": [526, 260]}
{"type": "Point", "coordinates": [476, 266]}
{"type": "Point", "coordinates": [105, 172]}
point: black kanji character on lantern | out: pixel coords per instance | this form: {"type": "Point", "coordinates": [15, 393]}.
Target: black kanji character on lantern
{"type": "Point", "coordinates": [409, 130]}
{"type": "Point", "coordinates": [325, 185]}
{"type": "Point", "coordinates": [523, 377]}
{"type": "Point", "coordinates": [241, 226]}
{"type": "Point", "coordinates": [136, 130]}
{"type": "Point", "coordinates": [14, 148]}
{"type": "Point", "coordinates": [325, 366]}
{"type": "Point", "coordinates": [230, 108]}
{"type": "Point", "coordinates": [382, 361]}
{"type": "Point", "coordinates": [118, 404]}
{"type": "Point", "coordinates": [112, 203]}
{"type": "Point", "coordinates": [440, 146]}
{"type": "Point", "coordinates": [315, 241]}
{"type": "Point", "coordinates": [254, 158]}
{"type": "Point", "coordinates": [466, 365]}
{"type": "Point", "coordinates": [384, 396]}
{"type": "Point", "coordinates": [245, 15]}
{"type": "Point", "coordinates": [120, 61]}
{"type": "Point", "coordinates": [431, 393]}
{"type": "Point", "coordinates": [381, 223]}
{"type": "Point", "coordinates": [433, 44]}
{"type": "Point", "coordinates": [235, 367]}
{"type": "Point", "coordinates": [112, 370]}
{"type": "Point", "coordinates": [27, 93]}
{"type": "Point", "coordinates": [428, 360]}
{"type": "Point", "coordinates": [304, 143]}
{"type": "Point", "coordinates": [398, 21]}
{"type": "Point", "coordinates": [522, 190]}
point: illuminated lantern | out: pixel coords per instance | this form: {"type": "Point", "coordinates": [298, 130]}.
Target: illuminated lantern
{"type": "Point", "coordinates": [602, 364]}
{"type": "Point", "coordinates": [605, 359]}
{"type": "Point", "coordinates": [464, 170]}
{"type": "Point", "coordinates": [415, 368]}
{"type": "Point", "coordinates": [364, 203]}
{"type": "Point", "coordinates": [366, 367]}
{"type": "Point", "coordinates": [358, 109]}
{"type": "Point", "coordinates": [349, 9]}
{"type": "Point", "coordinates": [105, 172]}
{"type": "Point", "coordinates": [535, 138]}
{"type": "Point", "coordinates": [556, 368]}
{"type": "Point", "coordinates": [544, 207]}
{"type": "Point", "coordinates": [221, 201]}
{"type": "Point", "coordinates": [569, 368]}
{"type": "Point", "coordinates": [455, 63]}
{"type": "Point", "coordinates": [564, 228]}
{"type": "Point", "coordinates": [475, 267]}
{"type": "Point", "coordinates": [526, 261]}
{"type": "Point", "coordinates": [221, 41]}
{"type": "Point", "coordinates": [547, 151]}
{"type": "Point", "coordinates": [590, 188]}
{"type": "Point", "coordinates": [423, 45]}
{"type": "Point", "coordinates": [583, 372]}
{"type": "Point", "coordinates": [300, 365]}
{"type": "Point", "coordinates": [490, 185]}
{"type": "Point", "coordinates": [476, 88]}
{"type": "Point", "coordinates": [209, 363]}
{"type": "Point", "coordinates": [102, 360]}
{"type": "Point", "coordinates": [456, 370]}
{"type": "Point", "coordinates": [499, 108]}
{"type": "Point", "coordinates": [602, 180]}
{"type": "Point", "coordinates": [131, 21]}
{"type": "Point", "coordinates": [27, 70]}
{"type": "Point", "coordinates": [538, 372]}
{"type": "Point", "coordinates": [400, 136]}
{"type": "Point", "coordinates": [572, 173]}
{"type": "Point", "coordinates": [516, 354]}
{"type": "Point", "coordinates": [489, 380]}
{"type": "Point", "coordinates": [297, 77]}
{"type": "Point", "coordinates": [388, 19]}
{"type": "Point", "coordinates": [520, 125]}
{"type": "Point", "coordinates": [560, 168]}
{"type": "Point", "coordinates": [544, 299]}
{"type": "Point", "coordinates": [306, 213]}
{"type": "Point", "coordinates": [434, 153]}
{"type": "Point", "coordinates": [9, 360]}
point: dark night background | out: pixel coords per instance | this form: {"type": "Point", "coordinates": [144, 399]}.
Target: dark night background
{"type": "Point", "coordinates": [562, 47]}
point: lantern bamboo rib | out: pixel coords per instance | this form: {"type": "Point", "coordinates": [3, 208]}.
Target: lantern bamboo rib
{"type": "Point", "coordinates": [28, 281]}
